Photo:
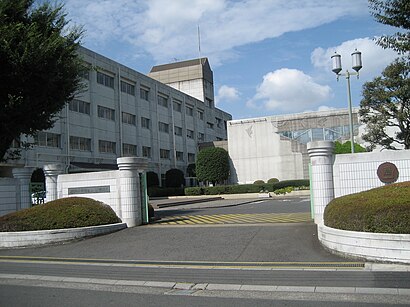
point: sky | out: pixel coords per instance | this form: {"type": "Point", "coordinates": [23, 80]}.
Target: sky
{"type": "Point", "coordinates": [268, 57]}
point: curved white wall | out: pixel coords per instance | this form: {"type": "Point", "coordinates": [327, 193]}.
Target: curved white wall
{"type": "Point", "coordinates": [371, 246]}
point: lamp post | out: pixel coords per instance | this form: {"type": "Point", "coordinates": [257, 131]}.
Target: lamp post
{"type": "Point", "coordinates": [337, 68]}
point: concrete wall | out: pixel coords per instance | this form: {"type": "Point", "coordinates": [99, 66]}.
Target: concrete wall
{"type": "Point", "coordinates": [257, 152]}
{"type": "Point", "coordinates": [8, 195]}
{"type": "Point", "coordinates": [353, 173]}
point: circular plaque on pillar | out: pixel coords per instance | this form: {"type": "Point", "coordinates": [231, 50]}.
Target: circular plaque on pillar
{"type": "Point", "coordinates": [387, 172]}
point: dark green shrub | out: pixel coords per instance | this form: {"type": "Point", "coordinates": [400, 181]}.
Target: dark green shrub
{"type": "Point", "coordinates": [152, 179]}
{"type": "Point", "coordinates": [291, 183]}
{"type": "Point", "coordinates": [191, 170]}
{"type": "Point", "coordinates": [273, 180]}
{"type": "Point", "coordinates": [259, 182]}
{"type": "Point", "coordinates": [212, 165]}
{"type": "Point", "coordinates": [62, 213]}
{"type": "Point", "coordinates": [194, 191]}
{"type": "Point", "coordinates": [383, 210]}
{"type": "Point", "coordinates": [162, 192]}
{"type": "Point", "coordinates": [283, 190]}
{"type": "Point", "coordinates": [174, 178]}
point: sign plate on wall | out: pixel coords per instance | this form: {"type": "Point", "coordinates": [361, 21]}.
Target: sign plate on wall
{"type": "Point", "coordinates": [387, 172]}
{"type": "Point", "coordinates": [89, 190]}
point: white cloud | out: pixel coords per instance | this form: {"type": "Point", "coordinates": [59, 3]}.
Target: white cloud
{"type": "Point", "coordinates": [289, 90]}
{"type": "Point", "coordinates": [374, 58]}
{"type": "Point", "coordinates": [168, 29]}
{"type": "Point", "coordinates": [227, 93]}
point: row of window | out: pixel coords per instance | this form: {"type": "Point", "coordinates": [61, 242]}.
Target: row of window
{"type": "Point", "coordinates": [48, 139]}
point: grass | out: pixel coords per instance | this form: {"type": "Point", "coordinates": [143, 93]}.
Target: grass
{"type": "Point", "coordinates": [381, 210]}
{"type": "Point", "coordinates": [63, 213]}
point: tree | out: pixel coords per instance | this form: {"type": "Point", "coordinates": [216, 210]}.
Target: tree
{"type": "Point", "coordinates": [40, 68]}
{"type": "Point", "coordinates": [394, 13]}
{"type": "Point", "coordinates": [386, 103]}
{"type": "Point", "coordinates": [343, 148]}
{"type": "Point", "coordinates": [174, 178]}
{"type": "Point", "coordinates": [191, 170]}
{"type": "Point", "coordinates": [212, 165]}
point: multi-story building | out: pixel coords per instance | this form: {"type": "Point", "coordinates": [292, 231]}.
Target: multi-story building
{"type": "Point", "coordinates": [123, 112]}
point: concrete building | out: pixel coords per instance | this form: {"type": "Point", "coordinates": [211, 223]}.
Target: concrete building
{"type": "Point", "coordinates": [125, 113]}
{"type": "Point", "coordinates": [275, 146]}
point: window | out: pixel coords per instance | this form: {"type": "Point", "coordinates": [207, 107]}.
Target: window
{"type": "Point", "coordinates": [218, 122]}
{"type": "Point", "coordinates": [79, 106]}
{"type": "Point", "coordinates": [191, 157]}
{"type": "Point", "coordinates": [127, 88]}
{"type": "Point", "coordinates": [201, 136]}
{"type": "Point", "coordinates": [163, 101]}
{"type": "Point", "coordinates": [219, 139]}
{"type": "Point", "coordinates": [129, 149]}
{"type": "Point", "coordinates": [164, 154]}
{"type": "Point", "coordinates": [85, 75]}
{"type": "Point", "coordinates": [80, 143]}
{"type": "Point", "coordinates": [128, 118]}
{"type": "Point", "coordinates": [105, 79]}
{"type": "Point", "coordinates": [189, 134]}
{"type": "Point", "coordinates": [210, 125]}
{"type": "Point", "coordinates": [189, 111]}
{"type": "Point", "coordinates": [177, 106]}
{"type": "Point", "coordinates": [163, 127]}
{"type": "Point", "coordinates": [146, 151]}
{"type": "Point", "coordinates": [106, 146]}
{"type": "Point", "coordinates": [106, 113]}
{"type": "Point", "coordinates": [144, 93]}
{"type": "Point", "coordinates": [145, 123]}
{"type": "Point", "coordinates": [209, 102]}
{"type": "Point", "coordinates": [178, 131]}
{"type": "Point", "coordinates": [48, 139]}
{"type": "Point", "coordinates": [201, 115]}
{"type": "Point", "coordinates": [179, 156]}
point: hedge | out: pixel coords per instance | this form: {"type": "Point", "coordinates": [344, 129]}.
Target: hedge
{"type": "Point", "coordinates": [62, 213]}
{"type": "Point", "coordinates": [163, 192]}
{"type": "Point", "coordinates": [382, 210]}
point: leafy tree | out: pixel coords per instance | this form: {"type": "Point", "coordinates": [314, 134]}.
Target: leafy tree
{"type": "Point", "coordinates": [174, 178]}
{"type": "Point", "coordinates": [394, 13]}
{"type": "Point", "coordinates": [212, 165]}
{"type": "Point", "coordinates": [40, 67]}
{"type": "Point", "coordinates": [386, 103]}
{"type": "Point", "coordinates": [343, 148]}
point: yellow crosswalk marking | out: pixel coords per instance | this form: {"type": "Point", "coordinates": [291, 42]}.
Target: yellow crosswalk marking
{"type": "Point", "coordinates": [246, 218]}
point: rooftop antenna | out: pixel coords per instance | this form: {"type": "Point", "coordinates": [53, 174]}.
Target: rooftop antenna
{"type": "Point", "coordinates": [199, 45]}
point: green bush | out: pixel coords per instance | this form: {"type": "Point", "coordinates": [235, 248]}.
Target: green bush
{"type": "Point", "coordinates": [162, 192]}
{"type": "Point", "coordinates": [283, 190]}
{"type": "Point", "coordinates": [152, 179]}
{"type": "Point", "coordinates": [259, 182]}
{"type": "Point", "coordinates": [383, 210]}
{"type": "Point", "coordinates": [174, 178]}
{"type": "Point", "coordinates": [194, 191]}
{"type": "Point", "coordinates": [291, 183]}
{"type": "Point", "coordinates": [62, 213]}
{"type": "Point", "coordinates": [273, 180]}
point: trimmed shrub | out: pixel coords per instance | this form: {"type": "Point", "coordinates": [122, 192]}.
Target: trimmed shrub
{"type": "Point", "coordinates": [62, 213]}
{"type": "Point", "coordinates": [174, 178]}
{"type": "Point", "coordinates": [152, 179]}
{"type": "Point", "coordinates": [212, 165]}
{"type": "Point", "coordinates": [259, 182]}
{"type": "Point", "coordinates": [382, 210]}
{"type": "Point", "coordinates": [194, 191]}
{"type": "Point", "coordinates": [291, 183]}
{"type": "Point", "coordinates": [191, 170]}
{"type": "Point", "coordinates": [273, 180]}
{"type": "Point", "coordinates": [283, 190]}
{"type": "Point", "coordinates": [162, 192]}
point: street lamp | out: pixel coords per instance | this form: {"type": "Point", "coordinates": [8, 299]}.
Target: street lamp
{"type": "Point", "coordinates": [337, 68]}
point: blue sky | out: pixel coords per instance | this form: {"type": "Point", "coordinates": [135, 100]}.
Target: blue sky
{"type": "Point", "coordinates": [268, 56]}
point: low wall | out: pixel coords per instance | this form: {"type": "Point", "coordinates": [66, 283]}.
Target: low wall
{"type": "Point", "coordinates": [370, 246]}
{"type": "Point", "coordinates": [353, 173]}
{"type": "Point", "coordinates": [8, 195]}
{"type": "Point", "coordinates": [30, 238]}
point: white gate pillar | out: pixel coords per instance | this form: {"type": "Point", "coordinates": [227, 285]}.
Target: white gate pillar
{"type": "Point", "coordinates": [130, 199]}
{"type": "Point", "coordinates": [51, 172]}
{"type": "Point", "coordinates": [321, 158]}
{"type": "Point", "coordinates": [23, 174]}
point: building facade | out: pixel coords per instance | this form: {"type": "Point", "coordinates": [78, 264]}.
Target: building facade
{"type": "Point", "coordinates": [121, 113]}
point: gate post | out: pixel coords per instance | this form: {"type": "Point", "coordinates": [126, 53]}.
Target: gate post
{"type": "Point", "coordinates": [130, 197]}
{"type": "Point", "coordinates": [51, 172]}
{"type": "Point", "coordinates": [23, 175]}
{"type": "Point", "coordinates": [321, 158]}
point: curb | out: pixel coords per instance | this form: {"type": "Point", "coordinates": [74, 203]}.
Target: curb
{"type": "Point", "coordinates": [193, 287]}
